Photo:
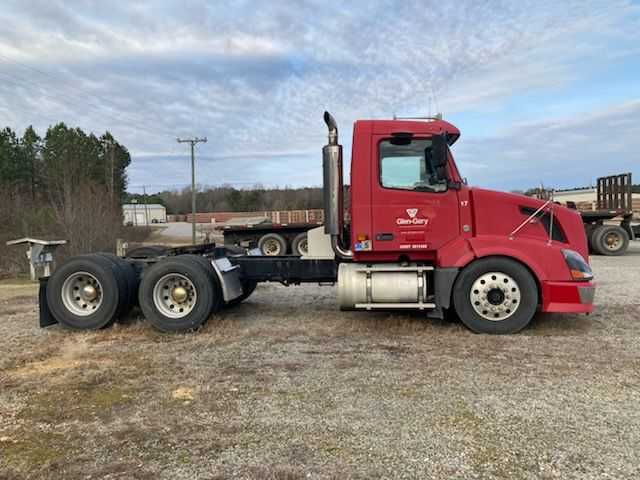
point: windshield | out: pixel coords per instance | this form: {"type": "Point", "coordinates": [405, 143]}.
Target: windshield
{"type": "Point", "coordinates": [409, 166]}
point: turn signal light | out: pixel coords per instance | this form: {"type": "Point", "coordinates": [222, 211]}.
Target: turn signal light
{"type": "Point", "coordinates": [362, 237]}
{"type": "Point", "coordinates": [578, 275]}
{"type": "Point", "coordinates": [578, 267]}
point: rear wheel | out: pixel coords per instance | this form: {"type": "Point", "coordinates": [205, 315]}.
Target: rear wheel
{"type": "Point", "coordinates": [177, 294]}
{"type": "Point", "coordinates": [86, 292]}
{"type": "Point", "coordinates": [218, 299]}
{"type": "Point", "coordinates": [610, 240]}
{"type": "Point", "coordinates": [272, 245]}
{"type": "Point", "coordinates": [300, 245]}
{"type": "Point", "coordinates": [495, 295]}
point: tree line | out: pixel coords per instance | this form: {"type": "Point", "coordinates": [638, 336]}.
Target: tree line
{"type": "Point", "coordinates": [230, 199]}
{"type": "Point", "coordinates": [66, 184]}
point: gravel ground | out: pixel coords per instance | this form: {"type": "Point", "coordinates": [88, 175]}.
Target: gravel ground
{"type": "Point", "coordinates": [287, 387]}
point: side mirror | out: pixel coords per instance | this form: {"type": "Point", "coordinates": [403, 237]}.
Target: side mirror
{"type": "Point", "coordinates": [439, 149]}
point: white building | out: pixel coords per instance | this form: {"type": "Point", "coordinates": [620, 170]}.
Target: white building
{"type": "Point", "coordinates": [140, 214]}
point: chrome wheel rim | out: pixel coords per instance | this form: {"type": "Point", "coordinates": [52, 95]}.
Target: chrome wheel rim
{"type": "Point", "coordinates": [174, 295]}
{"type": "Point", "coordinates": [495, 296]}
{"type": "Point", "coordinates": [81, 294]}
{"type": "Point", "coordinates": [271, 247]}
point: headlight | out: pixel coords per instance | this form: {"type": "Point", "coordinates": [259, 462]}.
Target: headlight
{"type": "Point", "coordinates": [580, 270]}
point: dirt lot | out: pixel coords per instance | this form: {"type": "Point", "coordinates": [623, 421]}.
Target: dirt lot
{"type": "Point", "coordinates": [287, 387]}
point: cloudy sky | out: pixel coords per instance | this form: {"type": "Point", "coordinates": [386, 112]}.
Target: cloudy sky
{"type": "Point", "coordinates": [543, 91]}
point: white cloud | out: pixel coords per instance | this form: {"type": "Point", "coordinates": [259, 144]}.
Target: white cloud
{"type": "Point", "coordinates": [256, 78]}
{"type": "Point", "coordinates": [559, 153]}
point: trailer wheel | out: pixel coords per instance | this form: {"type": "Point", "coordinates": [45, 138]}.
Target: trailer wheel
{"type": "Point", "coordinates": [85, 292]}
{"type": "Point", "coordinates": [610, 240]}
{"type": "Point", "coordinates": [177, 294]}
{"type": "Point", "coordinates": [272, 245]}
{"type": "Point", "coordinates": [248, 286]}
{"type": "Point", "coordinates": [300, 244]}
{"type": "Point", "coordinates": [495, 295]}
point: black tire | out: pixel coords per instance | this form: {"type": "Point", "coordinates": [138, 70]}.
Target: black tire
{"type": "Point", "coordinates": [610, 240]}
{"type": "Point", "coordinates": [218, 300]}
{"type": "Point", "coordinates": [299, 246]}
{"type": "Point", "coordinates": [206, 294]}
{"type": "Point", "coordinates": [588, 231]}
{"type": "Point", "coordinates": [515, 318]}
{"type": "Point", "coordinates": [272, 244]}
{"type": "Point", "coordinates": [147, 251]}
{"type": "Point", "coordinates": [106, 273]}
{"type": "Point", "coordinates": [592, 238]}
{"type": "Point", "coordinates": [248, 287]}
{"type": "Point", "coordinates": [130, 278]}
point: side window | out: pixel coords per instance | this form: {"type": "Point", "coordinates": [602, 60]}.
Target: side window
{"type": "Point", "coordinates": [409, 166]}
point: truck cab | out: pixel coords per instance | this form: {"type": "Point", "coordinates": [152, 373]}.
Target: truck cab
{"type": "Point", "coordinates": [419, 237]}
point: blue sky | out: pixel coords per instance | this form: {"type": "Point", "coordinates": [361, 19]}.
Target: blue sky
{"type": "Point", "coordinates": [543, 91]}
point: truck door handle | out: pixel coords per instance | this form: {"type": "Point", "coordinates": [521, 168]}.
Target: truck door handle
{"type": "Point", "coordinates": [384, 237]}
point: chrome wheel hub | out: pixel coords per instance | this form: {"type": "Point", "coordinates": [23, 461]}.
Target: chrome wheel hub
{"type": "Point", "coordinates": [495, 296]}
{"type": "Point", "coordinates": [271, 247]}
{"type": "Point", "coordinates": [81, 294]}
{"type": "Point", "coordinates": [174, 295]}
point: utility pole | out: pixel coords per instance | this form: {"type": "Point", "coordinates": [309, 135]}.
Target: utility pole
{"type": "Point", "coordinates": [146, 208]}
{"type": "Point", "coordinates": [193, 142]}
{"type": "Point", "coordinates": [111, 157]}
{"type": "Point", "coordinates": [134, 201]}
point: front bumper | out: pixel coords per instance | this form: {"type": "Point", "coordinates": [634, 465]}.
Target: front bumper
{"type": "Point", "coordinates": [568, 297]}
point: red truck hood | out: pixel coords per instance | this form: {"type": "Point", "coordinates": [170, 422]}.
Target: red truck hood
{"type": "Point", "coordinates": [501, 213]}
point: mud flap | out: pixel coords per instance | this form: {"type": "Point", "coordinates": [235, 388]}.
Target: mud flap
{"type": "Point", "coordinates": [46, 317]}
{"type": "Point", "coordinates": [229, 276]}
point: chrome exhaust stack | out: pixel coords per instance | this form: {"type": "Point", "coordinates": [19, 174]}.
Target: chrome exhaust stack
{"type": "Point", "coordinates": [333, 190]}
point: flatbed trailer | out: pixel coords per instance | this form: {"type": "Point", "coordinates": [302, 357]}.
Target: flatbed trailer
{"type": "Point", "coordinates": [418, 238]}
{"type": "Point", "coordinates": [614, 201]}
{"type": "Point", "coordinates": [272, 239]}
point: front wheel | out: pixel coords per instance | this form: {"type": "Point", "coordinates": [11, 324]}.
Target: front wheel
{"type": "Point", "coordinates": [495, 295]}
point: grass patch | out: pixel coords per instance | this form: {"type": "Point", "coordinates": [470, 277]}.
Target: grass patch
{"type": "Point", "coordinates": [32, 451]}
{"type": "Point", "coordinates": [20, 280]}
{"type": "Point", "coordinates": [82, 403]}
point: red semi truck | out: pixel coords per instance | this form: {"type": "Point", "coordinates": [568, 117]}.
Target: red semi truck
{"type": "Point", "coordinates": [418, 238]}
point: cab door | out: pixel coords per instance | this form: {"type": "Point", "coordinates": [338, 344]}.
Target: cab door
{"type": "Point", "coordinates": [413, 210]}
